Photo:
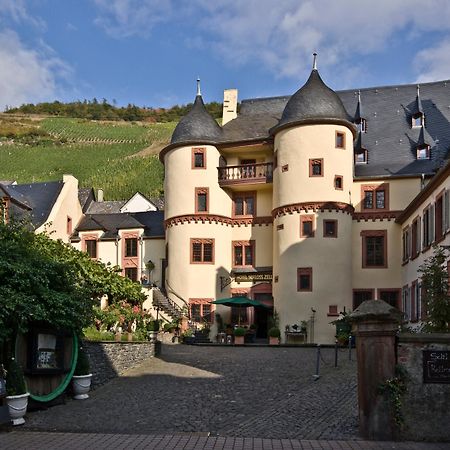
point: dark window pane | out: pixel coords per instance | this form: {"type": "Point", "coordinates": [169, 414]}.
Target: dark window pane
{"type": "Point", "coordinates": [238, 256]}
{"type": "Point", "coordinates": [250, 205]}
{"type": "Point", "coordinates": [196, 313]}
{"type": "Point", "coordinates": [307, 228]}
{"type": "Point", "coordinates": [374, 250]}
{"type": "Point", "coordinates": [380, 195]}
{"type": "Point", "coordinates": [202, 202]}
{"type": "Point", "coordinates": [390, 297]}
{"type": "Point", "coordinates": [207, 252]}
{"type": "Point", "coordinates": [131, 273]}
{"type": "Point", "coordinates": [239, 206]}
{"type": "Point", "coordinates": [305, 282]}
{"type": "Point", "coordinates": [330, 228]}
{"type": "Point", "coordinates": [130, 247]}
{"type": "Point", "coordinates": [338, 183]}
{"type": "Point", "coordinates": [317, 168]}
{"type": "Point", "coordinates": [199, 159]}
{"type": "Point", "coordinates": [361, 296]}
{"type": "Point", "coordinates": [197, 252]}
{"type": "Point", "coordinates": [207, 313]}
{"type": "Point", "coordinates": [91, 248]}
{"type": "Point", "coordinates": [339, 140]}
{"type": "Point", "coordinates": [248, 255]}
{"type": "Point", "coordinates": [368, 199]}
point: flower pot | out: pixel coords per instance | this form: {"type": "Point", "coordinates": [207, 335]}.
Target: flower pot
{"type": "Point", "coordinates": [274, 340]}
{"type": "Point", "coordinates": [130, 337]}
{"type": "Point", "coordinates": [81, 385]}
{"type": "Point", "coordinates": [17, 406]}
{"type": "Point", "coordinates": [239, 340]}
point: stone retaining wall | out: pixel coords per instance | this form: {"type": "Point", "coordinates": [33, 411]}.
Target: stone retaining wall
{"type": "Point", "coordinates": [109, 358]}
{"type": "Point", "coordinates": [426, 406]}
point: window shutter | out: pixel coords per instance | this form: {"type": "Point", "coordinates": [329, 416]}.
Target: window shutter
{"type": "Point", "coordinates": [445, 214]}
{"type": "Point", "coordinates": [419, 236]}
{"type": "Point", "coordinates": [432, 231]}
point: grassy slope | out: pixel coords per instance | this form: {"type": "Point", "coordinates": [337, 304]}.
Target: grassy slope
{"type": "Point", "coordinates": [99, 154]}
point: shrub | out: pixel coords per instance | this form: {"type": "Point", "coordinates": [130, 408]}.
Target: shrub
{"type": "Point", "coordinates": [153, 325]}
{"type": "Point", "coordinates": [239, 331]}
{"type": "Point", "coordinates": [83, 366]}
{"type": "Point", "coordinates": [275, 332]}
{"type": "Point", "coordinates": [15, 381]}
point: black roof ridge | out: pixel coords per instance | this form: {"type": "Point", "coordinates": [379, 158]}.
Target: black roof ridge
{"type": "Point", "coordinates": [355, 90]}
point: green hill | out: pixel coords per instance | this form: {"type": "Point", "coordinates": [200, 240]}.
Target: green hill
{"type": "Point", "coordinates": [119, 157]}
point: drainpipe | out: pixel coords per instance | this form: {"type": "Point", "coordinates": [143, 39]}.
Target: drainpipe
{"type": "Point", "coordinates": [117, 249]}
{"type": "Point", "coordinates": [141, 262]}
{"type": "Point", "coordinates": [312, 319]}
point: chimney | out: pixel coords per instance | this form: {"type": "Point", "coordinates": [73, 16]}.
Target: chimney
{"type": "Point", "coordinates": [229, 111]}
{"type": "Point", "coordinates": [100, 195]}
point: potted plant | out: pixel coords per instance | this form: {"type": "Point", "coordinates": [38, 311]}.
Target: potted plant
{"type": "Point", "coordinates": [274, 336]}
{"type": "Point", "coordinates": [239, 334]}
{"type": "Point", "coordinates": [153, 328]}
{"type": "Point", "coordinates": [188, 336]}
{"type": "Point", "coordinates": [81, 380]}
{"type": "Point", "coordinates": [17, 395]}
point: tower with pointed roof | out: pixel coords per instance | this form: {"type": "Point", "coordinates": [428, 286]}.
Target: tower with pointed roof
{"type": "Point", "coordinates": [312, 211]}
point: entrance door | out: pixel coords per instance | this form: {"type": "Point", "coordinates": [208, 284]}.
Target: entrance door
{"type": "Point", "coordinates": [262, 315]}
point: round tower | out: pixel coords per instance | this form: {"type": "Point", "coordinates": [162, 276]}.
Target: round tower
{"type": "Point", "coordinates": [198, 229]}
{"type": "Point", "coordinates": [313, 145]}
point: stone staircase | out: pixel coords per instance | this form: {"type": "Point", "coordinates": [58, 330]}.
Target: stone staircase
{"type": "Point", "coordinates": [168, 306]}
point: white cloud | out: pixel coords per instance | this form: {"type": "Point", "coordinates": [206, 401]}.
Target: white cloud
{"type": "Point", "coordinates": [125, 18]}
{"type": "Point", "coordinates": [434, 63]}
{"type": "Point", "coordinates": [28, 75]}
{"type": "Point", "coordinates": [17, 11]}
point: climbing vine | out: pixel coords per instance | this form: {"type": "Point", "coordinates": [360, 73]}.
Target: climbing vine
{"type": "Point", "coordinates": [395, 389]}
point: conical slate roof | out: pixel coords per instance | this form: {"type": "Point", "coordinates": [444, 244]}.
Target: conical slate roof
{"type": "Point", "coordinates": [315, 102]}
{"type": "Point", "coordinates": [197, 126]}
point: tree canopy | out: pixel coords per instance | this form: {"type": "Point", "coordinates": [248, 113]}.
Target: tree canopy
{"type": "Point", "coordinates": [46, 280]}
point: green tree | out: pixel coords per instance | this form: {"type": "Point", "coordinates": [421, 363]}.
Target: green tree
{"type": "Point", "coordinates": [435, 291]}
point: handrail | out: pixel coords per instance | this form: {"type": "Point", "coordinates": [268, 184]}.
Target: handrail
{"type": "Point", "coordinates": [246, 172]}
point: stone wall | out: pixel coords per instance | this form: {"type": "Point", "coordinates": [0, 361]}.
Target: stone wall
{"type": "Point", "coordinates": [109, 358]}
{"type": "Point", "coordinates": [426, 405]}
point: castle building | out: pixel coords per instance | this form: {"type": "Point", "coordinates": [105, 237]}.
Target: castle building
{"type": "Point", "coordinates": [309, 204]}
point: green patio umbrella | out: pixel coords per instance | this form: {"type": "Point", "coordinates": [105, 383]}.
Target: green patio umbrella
{"type": "Point", "coordinates": [241, 302]}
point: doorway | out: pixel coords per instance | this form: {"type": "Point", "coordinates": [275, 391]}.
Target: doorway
{"type": "Point", "coordinates": [262, 315]}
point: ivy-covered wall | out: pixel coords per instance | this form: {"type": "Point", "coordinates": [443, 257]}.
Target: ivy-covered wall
{"type": "Point", "coordinates": [426, 406]}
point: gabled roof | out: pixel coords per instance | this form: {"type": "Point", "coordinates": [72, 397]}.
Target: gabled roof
{"type": "Point", "coordinates": [152, 222]}
{"type": "Point", "coordinates": [147, 204]}
{"type": "Point", "coordinates": [39, 197]}
{"type": "Point", "coordinates": [105, 207]}
{"type": "Point", "coordinates": [85, 196]}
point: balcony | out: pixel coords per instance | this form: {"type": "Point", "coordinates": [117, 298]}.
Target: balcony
{"type": "Point", "coordinates": [246, 174]}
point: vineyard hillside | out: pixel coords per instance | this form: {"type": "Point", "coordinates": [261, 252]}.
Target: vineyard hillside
{"type": "Point", "coordinates": [119, 157]}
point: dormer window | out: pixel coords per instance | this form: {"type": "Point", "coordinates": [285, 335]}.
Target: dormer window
{"type": "Point", "coordinates": [361, 125]}
{"type": "Point", "coordinates": [417, 120]}
{"type": "Point", "coordinates": [423, 152]}
{"type": "Point", "coordinates": [361, 156]}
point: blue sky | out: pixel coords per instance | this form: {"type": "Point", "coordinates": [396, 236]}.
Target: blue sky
{"type": "Point", "coordinates": [149, 52]}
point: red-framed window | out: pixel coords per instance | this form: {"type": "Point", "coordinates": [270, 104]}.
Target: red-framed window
{"type": "Point", "coordinates": [390, 296]}
{"type": "Point", "coordinates": [415, 238]}
{"type": "Point", "coordinates": [131, 273]}
{"type": "Point", "coordinates": [339, 182]}
{"type": "Point", "coordinates": [307, 226]}
{"type": "Point", "coordinates": [375, 197]}
{"type": "Point", "coordinates": [131, 247]}
{"type": "Point", "coordinates": [361, 295]}
{"type": "Point", "coordinates": [330, 228]}
{"type": "Point", "coordinates": [198, 158]}
{"type": "Point", "coordinates": [202, 251]}
{"type": "Point", "coordinates": [316, 167]}
{"type": "Point", "coordinates": [340, 139]}
{"type": "Point", "coordinates": [201, 310]}
{"type": "Point", "coordinates": [201, 200]}
{"type": "Point", "coordinates": [244, 204]}
{"type": "Point", "coordinates": [243, 253]}
{"type": "Point", "coordinates": [69, 229]}
{"type": "Point", "coordinates": [91, 247]}
{"type": "Point", "coordinates": [374, 249]}
{"type": "Point", "coordinates": [304, 279]}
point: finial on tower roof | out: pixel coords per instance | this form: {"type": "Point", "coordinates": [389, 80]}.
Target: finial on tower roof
{"type": "Point", "coordinates": [198, 86]}
{"type": "Point", "coordinates": [418, 90]}
{"type": "Point", "coordinates": [314, 61]}
{"type": "Point", "coordinates": [359, 96]}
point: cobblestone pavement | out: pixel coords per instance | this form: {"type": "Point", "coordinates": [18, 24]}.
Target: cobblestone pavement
{"type": "Point", "coordinates": [262, 392]}
{"type": "Point", "coordinates": [96, 441]}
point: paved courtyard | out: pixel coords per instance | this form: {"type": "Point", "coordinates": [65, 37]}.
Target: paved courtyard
{"type": "Point", "coordinates": [224, 391]}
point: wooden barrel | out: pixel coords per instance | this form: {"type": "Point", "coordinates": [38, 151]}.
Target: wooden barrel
{"type": "Point", "coordinates": [49, 358]}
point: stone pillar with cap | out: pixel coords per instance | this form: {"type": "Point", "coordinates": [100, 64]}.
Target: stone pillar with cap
{"type": "Point", "coordinates": [375, 324]}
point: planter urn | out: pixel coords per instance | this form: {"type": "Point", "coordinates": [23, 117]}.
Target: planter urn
{"type": "Point", "coordinates": [239, 340]}
{"type": "Point", "coordinates": [274, 340]}
{"type": "Point", "coordinates": [81, 385]}
{"type": "Point", "coordinates": [17, 407]}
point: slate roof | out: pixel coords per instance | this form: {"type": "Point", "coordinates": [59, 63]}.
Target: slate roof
{"type": "Point", "coordinates": [40, 197]}
{"type": "Point", "coordinates": [196, 126]}
{"type": "Point", "coordinates": [105, 207]}
{"type": "Point", "coordinates": [390, 141]}
{"type": "Point", "coordinates": [85, 197]}
{"type": "Point", "coordinates": [314, 101]}
{"type": "Point", "coordinates": [151, 221]}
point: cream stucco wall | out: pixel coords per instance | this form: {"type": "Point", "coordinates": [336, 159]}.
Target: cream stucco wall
{"type": "Point", "coordinates": [295, 147]}
{"type": "Point", "coordinates": [66, 205]}
{"type": "Point", "coordinates": [401, 191]}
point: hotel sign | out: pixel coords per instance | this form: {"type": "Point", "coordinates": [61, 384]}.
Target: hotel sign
{"type": "Point", "coordinates": [242, 277]}
{"type": "Point", "coordinates": [436, 366]}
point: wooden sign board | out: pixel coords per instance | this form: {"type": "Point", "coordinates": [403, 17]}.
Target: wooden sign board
{"type": "Point", "coordinates": [436, 366]}
{"type": "Point", "coordinates": [253, 277]}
